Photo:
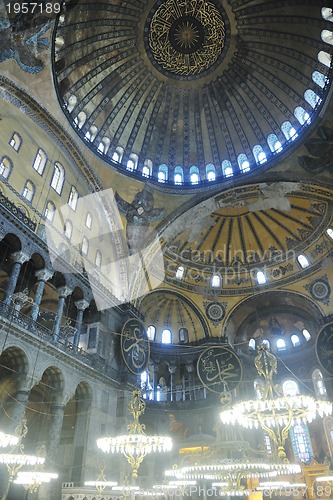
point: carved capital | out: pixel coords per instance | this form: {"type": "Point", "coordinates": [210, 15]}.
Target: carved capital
{"type": "Point", "coordinates": [81, 305]}
{"type": "Point", "coordinates": [43, 274]}
{"type": "Point", "coordinates": [64, 291]}
{"type": "Point", "coordinates": [20, 257]}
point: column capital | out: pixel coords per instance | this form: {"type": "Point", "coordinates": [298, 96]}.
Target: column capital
{"type": "Point", "coordinates": [82, 304]}
{"type": "Point", "coordinates": [20, 257]}
{"type": "Point", "coordinates": [64, 291]}
{"type": "Point", "coordinates": [189, 368]}
{"type": "Point", "coordinates": [44, 274]}
{"type": "Point", "coordinates": [172, 369]}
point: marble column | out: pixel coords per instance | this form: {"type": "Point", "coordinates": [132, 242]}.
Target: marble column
{"type": "Point", "coordinates": [81, 306]}
{"type": "Point", "coordinates": [43, 275]}
{"type": "Point", "coordinates": [18, 406]}
{"type": "Point", "coordinates": [156, 367]}
{"type": "Point", "coordinates": [190, 370]}
{"type": "Point", "coordinates": [57, 418]}
{"type": "Point", "coordinates": [80, 439]}
{"type": "Point", "coordinates": [63, 292]}
{"type": "Point", "coordinates": [172, 371]}
{"type": "Point", "coordinates": [19, 258]}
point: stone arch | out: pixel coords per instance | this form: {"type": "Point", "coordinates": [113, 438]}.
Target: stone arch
{"type": "Point", "coordinates": [42, 396]}
{"type": "Point", "coordinates": [239, 326]}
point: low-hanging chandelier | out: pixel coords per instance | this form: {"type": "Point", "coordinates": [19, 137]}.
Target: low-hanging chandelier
{"type": "Point", "coordinates": [273, 412]}
{"type": "Point", "coordinates": [136, 444]}
{"type": "Point", "coordinates": [8, 440]}
{"type": "Point", "coordinates": [31, 480]}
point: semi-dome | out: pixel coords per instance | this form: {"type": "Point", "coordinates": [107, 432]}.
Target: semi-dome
{"type": "Point", "coordinates": [189, 94]}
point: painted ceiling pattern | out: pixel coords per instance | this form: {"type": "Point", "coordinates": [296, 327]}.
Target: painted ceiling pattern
{"type": "Point", "coordinates": [254, 98]}
{"type": "Point", "coordinates": [248, 229]}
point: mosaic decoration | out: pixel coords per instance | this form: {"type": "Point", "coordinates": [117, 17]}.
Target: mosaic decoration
{"type": "Point", "coordinates": [219, 369]}
{"type": "Point", "coordinates": [215, 311]}
{"type": "Point", "coordinates": [22, 45]}
{"type": "Point", "coordinates": [135, 346]}
{"type": "Point", "coordinates": [320, 289]}
{"type": "Point", "coordinates": [324, 348]}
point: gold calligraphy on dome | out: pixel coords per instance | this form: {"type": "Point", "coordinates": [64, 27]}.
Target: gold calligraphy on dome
{"type": "Point", "coordinates": [186, 38]}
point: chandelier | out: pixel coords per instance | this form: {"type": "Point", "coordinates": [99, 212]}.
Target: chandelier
{"type": "Point", "coordinates": [274, 413]}
{"type": "Point", "coordinates": [101, 483]}
{"type": "Point", "coordinates": [136, 444]}
{"type": "Point", "coordinates": [8, 440]}
{"type": "Point", "coordinates": [16, 459]}
{"type": "Point", "coordinates": [32, 480]}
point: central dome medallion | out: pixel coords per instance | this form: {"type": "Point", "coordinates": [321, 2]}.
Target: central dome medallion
{"type": "Point", "coordinates": [185, 39]}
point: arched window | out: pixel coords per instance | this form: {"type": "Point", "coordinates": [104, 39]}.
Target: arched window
{"type": "Point", "coordinates": [80, 119]}
{"type": "Point", "coordinates": [15, 141]}
{"type": "Point", "coordinates": [118, 154]}
{"type": "Point", "coordinates": [178, 175]}
{"type": "Point", "coordinates": [132, 162]}
{"type": "Point", "coordinates": [180, 273]}
{"type": "Point", "coordinates": [91, 133]}
{"type": "Point", "coordinates": [216, 281]}
{"type": "Point", "coordinates": [98, 258]}
{"type": "Point", "coordinates": [58, 177]}
{"type": "Point", "coordinates": [162, 174]}
{"type": "Point", "coordinates": [252, 344]}
{"type": "Point", "coordinates": [147, 168]}
{"type": "Point", "coordinates": [318, 383]}
{"type": "Point", "coordinates": [281, 344]}
{"type": "Point", "coordinates": [295, 340]}
{"type": "Point", "coordinates": [319, 79]}
{"type": "Point", "coordinates": [306, 334]}
{"type": "Point", "coordinates": [303, 261]}
{"type": "Point", "coordinates": [327, 14]}
{"type": "Point", "coordinates": [325, 58]}
{"type": "Point", "coordinates": [71, 103]}
{"type": "Point", "coordinates": [50, 210]}
{"type": "Point", "coordinates": [6, 166]}
{"type": "Point", "coordinates": [194, 175]}
{"type": "Point", "coordinates": [68, 229]}
{"type": "Point", "coordinates": [151, 330]}
{"type": "Point", "coordinates": [73, 198]}
{"type": "Point", "coordinates": [261, 278]}
{"type": "Point", "coordinates": [183, 335]}
{"type": "Point", "coordinates": [84, 246]}
{"type": "Point", "coordinates": [166, 336]}
{"type": "Point", "coordinates": [266, 343]}
{"type": "Point", "coordinates": [243, 163]}
{"type": "Point", "coordinates": [312, 98]}
{"type": "Point", "coordinates": [290, 388]}
{"type": "Point", "coordinates": [227, 168]}
{"type": "Point", "coordinates": [274, 143]}
{"type": "Point", "coordinates": [104, 145]}
{"type": "Point", "coordinates": [288, 130]}
{"type": "Point", "coordinates": [327, 36]}
{"type": "Point", "coordinates": [259, 154]}
{"type": "Point", "coordinates": [28, 190]}
{"type": "Point", "coordinates": [89, 220]}
{"type": "Point", "coordinates": [40, 161]}
{"type": "Point", "coordinates": [329, 231]}
{"type": "Point", "coordinates": [301, 443]}
{"type": "Point", "coordinates": [210, 172]}
{"type": "Point", "coordinates": [301, 115]}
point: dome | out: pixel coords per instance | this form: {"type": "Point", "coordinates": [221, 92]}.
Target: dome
{"type": "Point", "coordinates": [190, 94]}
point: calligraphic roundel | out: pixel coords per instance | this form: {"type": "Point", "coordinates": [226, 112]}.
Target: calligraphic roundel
{"type": "Point", "coordinates": [219, 369]}
{"type": "Point", "coordinates": [324, 348]}
{"type": "Point", "coordinates": [135, 346]}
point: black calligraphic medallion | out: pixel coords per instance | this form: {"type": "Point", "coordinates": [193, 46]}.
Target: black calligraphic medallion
{"type": "Point", "coordinates": [219, 369]}
{"type": "Point", "coordinates": [135, 346]}
{"type": "Point", "coordinates": [324, 348]}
